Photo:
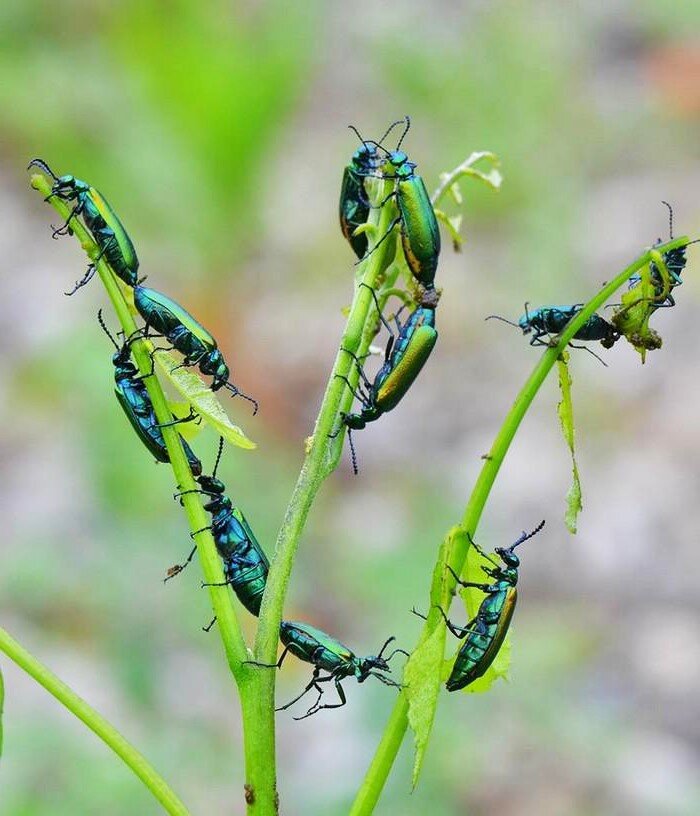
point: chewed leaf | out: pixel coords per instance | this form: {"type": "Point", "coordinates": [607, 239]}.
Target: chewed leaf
{"type": "Point", "coordinates": [422, 678]}
{"type": "Point", "coordinates": [188, 430]}
{"type": "Point", "coordinates": [472, 598]}
{"type": "Point", "coordinates": [565, 409]}
{"type": "Point", "coordinates": [631, 317]}
{"type": "Point", "coordinates": [202, 399]}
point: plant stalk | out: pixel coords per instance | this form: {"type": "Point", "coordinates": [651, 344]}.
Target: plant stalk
{"type": "Point", "coordinates": [322, 451]}
{"type": "Point", "coordinates": [382, 762]}
{"type": "Point", "coordinates": [95, 722]}
{"type": "Point", "coordinates": [221, 597]}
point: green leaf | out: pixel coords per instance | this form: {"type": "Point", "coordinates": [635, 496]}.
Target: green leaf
{"type": "Point", "coordinates": [631, 317]}
{"type": "Point", "coordinates": [202, 399]}
{"type": "Point", "coordinates": [473, 598]}
{"type": "Point", "coordinates": [492, 176]}
{"type": "Point", "coordinates": [424, 670]}
{"type": "Point", "coordinates": [565, 409]}
{"type": "Point", "coordinates": [453, 224]}
{"type": "Point", "coordinates": [422, 676]}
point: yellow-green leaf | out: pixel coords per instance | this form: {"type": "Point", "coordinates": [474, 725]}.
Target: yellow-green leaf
{"type": "Point", "coordinates": [424, 671]}
{"type": "Point", "coordinates": [492, 176]}
{"type": "Point", "coordinates": [422, 677]}
{"type": "Point", "coordinates": [565, 409]}
{"type": "Point", "coordinates": [202, 399]}
{"type": "Point", "coordinates": [453, 224]}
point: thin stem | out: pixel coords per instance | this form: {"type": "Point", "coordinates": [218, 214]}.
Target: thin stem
{"type": "Point", "coordinates": [221, 597]}
{"type": "Point", "coordinates": [320, 460]}
{"type": "Point", "coordinates": [95, 722]}
{"type": "Point", "coordinates": [395, 730]}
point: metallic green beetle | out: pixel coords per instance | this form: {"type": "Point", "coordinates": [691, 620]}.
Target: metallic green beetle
{"type": "Point", "coordinates": [486, 632]}
{"type": "Point", "coordinates": [105, 227]}
{"type": "Point", "coordinates": [354, 206]}
{"type": "Point", "coordinates": [420, 234]}
{"type": "Point", "coordinates": [136, 403]}
{"type": "Point", "coordinates": [326, 653]}
{"type": "Point", "coordinates": [189, 337]}
{"type": "Point", "coordinates": [406, 354]}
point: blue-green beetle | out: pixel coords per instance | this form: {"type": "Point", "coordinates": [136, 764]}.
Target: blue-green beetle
{"type": "Point", "coordinates": [486, 632]}
{"type": "Point", "coordinates": [326, 653]}
{"type": "Point", "coordinates": [354, 206]}
{"type": "Point", "coordinates": [103, 223]}
{"type": "Point", "coordinates": [136, 403]}
{"type": "Point", "coordinates": [420, 234]}
{"type": "Point", "coordinates": [406, 353]}
{"type": "Point", "coordinates": [189, 337]}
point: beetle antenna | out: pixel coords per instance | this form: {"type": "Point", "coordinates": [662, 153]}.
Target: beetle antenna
{"type": "Point", "coordinates": [503, 319]}
{"type": "Point", "coordinates": [41, 164]}
{"type": "Point", "coordinates": [389, 640]}
{"type": "Point", "coordinates": [218, 457]}
{"type": "Point", "coordinates": [353, 455]}
{"type": "Point", "coordinates": [407, 120]}
{"type": "Point", "coordinates": [389, 129]}
{"type": "Point", "coordinates": [397, 651]}
{"type": "Point", "coordinates": [357, 133]}
{"type": "Point", "coordinates": [670, 219]}
{"type": "Point", "coordinates": [237, 393]}
{"type": "Point", "coordinates": [525, 536]}
{"type": "Point", "coordinates": [106, 330]}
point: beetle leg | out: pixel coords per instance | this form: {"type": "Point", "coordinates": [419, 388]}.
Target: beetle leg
{"type": "Point", "coordinates": [153, 367]}
{"type": "Point", "coordinates": [458, 631]}
{"type": "Point", "coordinates": [396, 221]}
{"type": "Point", "coordinates": [590, 351]}
{"type": "Point", "coordinates": [65, 228]}
{"type": "Point", "coordinates": [386, 680]}
{"type": "Point", "coordinates": [178, 568]}
{"type": "Point", "coordinates": [208, 627]}
{"type": "Point", "coordinates": [359, 394]}
{"type": "Point", "coordinates": [196, 532]}
{"type": "Point", "coordinates": [379, 310]}
{"type": "Point", "coordinates": [87, 277]}
{"type": "Point", "coordinates": [316, 707]}
{"type": "Point", "coordinates": [277, 665]}
{"type": "Point", "coordinates": [315, 679]}
{"type": "Point", "coordinates": [193, 416]}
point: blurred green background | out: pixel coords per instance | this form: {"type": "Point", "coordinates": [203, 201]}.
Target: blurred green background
{"type": "Point", "coordinates": [218, 132]}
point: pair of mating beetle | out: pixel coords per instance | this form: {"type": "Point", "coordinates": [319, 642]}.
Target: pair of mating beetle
{"type": "Point", "coordinates": [552, 320]}
{"type": "Point", "coordinates": [162, 314]}
{"type": "Point", "coordinates": [410, 346]}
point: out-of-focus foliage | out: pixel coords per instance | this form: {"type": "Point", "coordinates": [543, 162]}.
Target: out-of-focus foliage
{"type": "Point", "coordinates": [217, 132]}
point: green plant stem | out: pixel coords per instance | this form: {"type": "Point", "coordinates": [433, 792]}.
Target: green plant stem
{"type": "Point", "coordinates": [95, 722]}
{"type": "Point", "coordinates": [221, 597]}
{"type": "Point", "coordinates": [378, 771]}
{"type": "Point", "coordinates": [322, 452]}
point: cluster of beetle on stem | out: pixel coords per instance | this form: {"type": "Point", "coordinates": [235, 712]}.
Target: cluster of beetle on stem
{"type": "Point", "coordinates": [410, 345]}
